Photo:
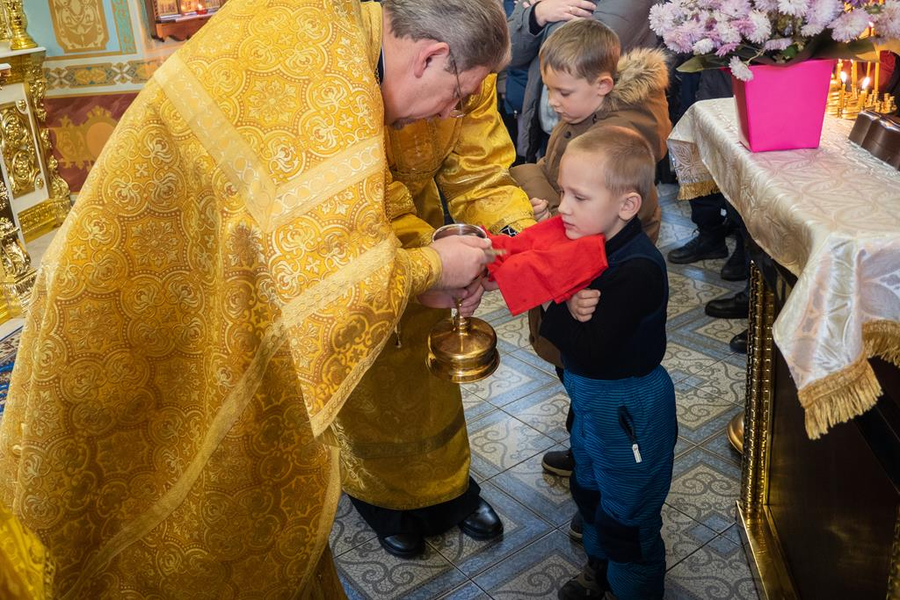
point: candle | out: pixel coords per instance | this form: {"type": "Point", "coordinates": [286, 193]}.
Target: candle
{"type": "Point", "coordinates": [843, 92]}
{"type": "Point", "coordinates": [853, 75]}
{"type": "Point", "coordinates": [877, 73]}
{"type": "Point", "coordinates": [865, 93]}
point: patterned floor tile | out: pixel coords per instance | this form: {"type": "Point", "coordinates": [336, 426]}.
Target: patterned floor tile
{"type": "Point", "coordinates": [722, 330]}
{"type": "Point", "coordinates": [349, 529]}
{"type": "Point", "coordinates": [719, 445]}
{"type": "Point", "coordinates": [733, 534]}
{"type": "Point", "coordinates": [545, 410]}
{"type": "Point", "coordinates": [701, 414]}
{"type": "Point", "coordinates": [520, 528]}
{"type": "Point", "coordinates": [470, 591]}
{"type": "Point", "coordinates": [514, 331]}
{"type": "Point", "coordinates": [682, 535]}
{"type": "Point", "coordinates": [687, 294]}
{"type": "Point", "coordinates": [527, 355]}
{"type": "Point", "coordinates": [718, 570]}
{"type": "Point", "coordinates": [474, 406]}
{"type": "Point", "coordinates": [538, 571]}
{"type": "Point", "coordinates": [500, 441]}
{"type": "Point", "coordinates": [682, 446]}
{"type": "Point", "coordinates": [547, 495]}
{"type": "Point", "coordinates": [491, 302]}
{"type": "Point", "coordinates": [368, 572]}
{"type": "Point", "coordinates": [724, 380]}
{"type": "Point", "coordinates": [682, 362]}
{"type": "Point", "coordinates": [705, 488]}
{"type": "Point", "coordinates": [673, 233]}
{"type": "Point", "coordinates": [512, 380]}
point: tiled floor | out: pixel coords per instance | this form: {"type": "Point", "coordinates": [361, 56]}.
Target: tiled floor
{"type": "Point", "coordinates": [519, 413]}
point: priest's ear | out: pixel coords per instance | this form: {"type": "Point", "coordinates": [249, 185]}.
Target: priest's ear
{"type": "Point", "coordinates": [629, 206]}
{"type": "Point", "coordinates": [428, 53]}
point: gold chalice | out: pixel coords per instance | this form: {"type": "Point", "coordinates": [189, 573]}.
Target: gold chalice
{"type": "Point", "coordinates": [462, 349]}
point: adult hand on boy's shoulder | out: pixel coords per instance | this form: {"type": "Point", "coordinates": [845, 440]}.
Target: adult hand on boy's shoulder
{"type": "Point", "coordinates": [541, 209]}
{"type": "Point", "coordinates": [551, 11]}
{"type": "Point", "coordinates": [583, 304]}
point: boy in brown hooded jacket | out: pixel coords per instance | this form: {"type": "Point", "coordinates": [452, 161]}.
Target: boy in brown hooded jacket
{"type": "Point", "coordinates": [590, 86]}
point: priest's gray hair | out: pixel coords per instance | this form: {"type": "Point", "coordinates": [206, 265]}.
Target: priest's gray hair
{"type": "Point", "coordinates": [475, 30]}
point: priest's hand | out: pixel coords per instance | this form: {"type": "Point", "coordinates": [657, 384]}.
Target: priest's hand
{"type": "Point", "coordinates": [541, 209]}
{"type": "Point", "coordinates": [463, 258]}
{"type": "Point", "coordinates": [489, 285]}
{"type": "Point", "coordinates": [583, 304]}
{"type": "Point", "coordinates": [471, 298]}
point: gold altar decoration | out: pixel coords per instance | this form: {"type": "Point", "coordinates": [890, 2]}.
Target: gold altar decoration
{"type": "Point", "coordinates": [17, 148]}
{"type": "Point", "coordinates": [32, 193]}
{"type": "Point", "coordinates": [79, 26]}
{"type": "Point", "coordinates": [18, 24]}
{"type": "Point", "coordinates": [18, 275]}
{"type": "Point", "coordinates": [462, 349]}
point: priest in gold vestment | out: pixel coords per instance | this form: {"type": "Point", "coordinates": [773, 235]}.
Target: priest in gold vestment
{"type": "Point", "coordinates": [224, 280]}
{"type": "Point", "coordinates": [404, 446]}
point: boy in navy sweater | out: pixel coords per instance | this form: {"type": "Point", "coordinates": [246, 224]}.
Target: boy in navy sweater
{"type": "Point", "coordinates": [623, 437]}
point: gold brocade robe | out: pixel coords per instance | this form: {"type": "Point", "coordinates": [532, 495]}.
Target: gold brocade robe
{"type": "Point", "coordinates": [403, 434]}
{"type": "Point", "coordinates": [26, 572]}
{"type": "Point", "coordinates": [224, 280]}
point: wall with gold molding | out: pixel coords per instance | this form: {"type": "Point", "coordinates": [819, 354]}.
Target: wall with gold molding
{"type": "Point", "coordinates": [99, 55]}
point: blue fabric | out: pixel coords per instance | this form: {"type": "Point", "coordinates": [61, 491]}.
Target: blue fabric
{"type": "Point", "coordinates": [620, 499]}
{"type": "Point", "coordinates": [515, 78]}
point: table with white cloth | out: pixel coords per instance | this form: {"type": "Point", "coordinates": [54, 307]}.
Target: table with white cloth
{"type": "Point", "coordinates": [820, 488]}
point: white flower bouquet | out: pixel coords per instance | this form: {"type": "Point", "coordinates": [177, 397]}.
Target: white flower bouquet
{"type": "Point", "coordinates": [737, 33]}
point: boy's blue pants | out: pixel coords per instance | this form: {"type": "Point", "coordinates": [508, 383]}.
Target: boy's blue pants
{"type": "Point", "coordinates": [620, 499]}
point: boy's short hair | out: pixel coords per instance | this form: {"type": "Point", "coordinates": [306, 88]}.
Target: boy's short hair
{"type": "Point", "coordinates": [582, 48]}
{"type": "Point", "coordinates": [624, 156]}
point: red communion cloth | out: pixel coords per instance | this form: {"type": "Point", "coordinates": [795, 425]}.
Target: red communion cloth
{"type": "Point", "coordinates": [542, 264]}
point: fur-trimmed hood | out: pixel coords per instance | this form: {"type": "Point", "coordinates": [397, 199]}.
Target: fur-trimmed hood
{"type": "Point", "coordinates": [642, 72]}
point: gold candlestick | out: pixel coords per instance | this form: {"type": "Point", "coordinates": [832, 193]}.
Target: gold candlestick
{"type": "Point", "coordinates": [19, 38]}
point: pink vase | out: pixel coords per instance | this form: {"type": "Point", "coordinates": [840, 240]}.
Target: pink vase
{"type": "Point", "coordinates": [783, 108]}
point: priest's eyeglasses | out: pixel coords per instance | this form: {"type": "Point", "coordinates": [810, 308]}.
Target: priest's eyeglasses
{"type": "Point", "coordinates": [457, 112]}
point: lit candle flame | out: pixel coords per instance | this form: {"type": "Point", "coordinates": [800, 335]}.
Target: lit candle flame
{"type": "Point", "coordinates": [843, 77]}
{"type": "Point", "coordinates": [866, 82]}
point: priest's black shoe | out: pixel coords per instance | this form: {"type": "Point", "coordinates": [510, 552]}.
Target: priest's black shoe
{"type": "Point", "coordinates": [739, 343]}
{"type": "Point", "coordinates": [701, 247]}
{"type": "Point", "coordinates": [404, 545]}
{"type": "Point", "coordinates": [732, 307]}
{"type": "Point", "coordinates": [735, 268]}
{"type": "Point", "coordinates": [483, 523]}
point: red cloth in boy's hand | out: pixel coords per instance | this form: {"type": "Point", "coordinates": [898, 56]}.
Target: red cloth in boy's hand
{"type": "Point", "coordinates": [542, 264]}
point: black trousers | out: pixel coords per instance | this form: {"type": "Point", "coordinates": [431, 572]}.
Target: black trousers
{"type": "Point", "coordinates": [431, 520]}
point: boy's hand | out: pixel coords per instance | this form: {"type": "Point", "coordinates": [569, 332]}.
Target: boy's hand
{"type": "Point", "coordinates": [582, 305]}
{"type": "Point", "coordinates": [541, 209]}
{"type": "Point", "coordinates": [551, 11]}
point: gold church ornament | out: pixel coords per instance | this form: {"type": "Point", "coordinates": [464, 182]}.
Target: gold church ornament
{"type": "Point", "coordinates": [462, 349]}
{"type": "Point", "coordinates": [18, 23]}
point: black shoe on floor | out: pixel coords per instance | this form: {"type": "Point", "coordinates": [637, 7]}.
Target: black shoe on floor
{"type": "Point", "coordinates": [559, 462]}
{"type": "Point", "coordinates": [483, 523]}
{"type": "Point", "coordinates": [735, 268]}
{"type": "Point", "coordinates": [732, 307]}
{"type": "Point", "coordinates": [404, 545]}
{"type": "Point", "coordinates": [739, 343]}
{"type": "Point", "coordinates": [590, 583]}
{"type": "Point", "coordinates": [701, 247]}
{"type": "Point", "coordinates": [576, 527]}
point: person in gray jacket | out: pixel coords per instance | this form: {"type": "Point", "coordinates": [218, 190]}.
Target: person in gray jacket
{"type": "Point", "coordinates": [532, 21]}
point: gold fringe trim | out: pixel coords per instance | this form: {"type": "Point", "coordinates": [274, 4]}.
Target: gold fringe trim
{"type": "Point", "coordinates": [852, 391]}
{"type": "Point", "coordinates": [689, 191]}
{"type": "Point", "coordinates": [882, 339]}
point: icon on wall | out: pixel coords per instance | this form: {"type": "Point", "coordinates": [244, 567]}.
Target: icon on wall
{"type": "Point", "coordinates": [180, 19]}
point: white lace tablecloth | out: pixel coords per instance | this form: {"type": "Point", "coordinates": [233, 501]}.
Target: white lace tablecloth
{"type": "Point", "coordinates": [832, 217]}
